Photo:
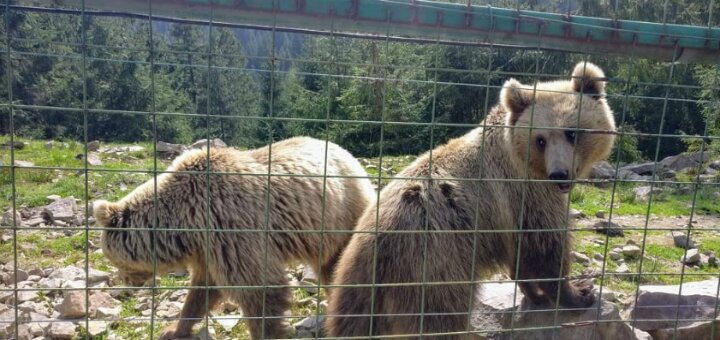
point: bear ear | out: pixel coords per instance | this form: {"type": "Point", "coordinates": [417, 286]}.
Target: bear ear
{"type": "Point", "coordinates": [105, 213]}
{"type": "Point", "coordinates": [588, 78]}
{"type": "Point", "coordinates": [515, 99]}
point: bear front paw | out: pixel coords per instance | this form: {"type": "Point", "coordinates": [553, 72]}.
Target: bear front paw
{"type": "Point", "coordinates": [171, 333]}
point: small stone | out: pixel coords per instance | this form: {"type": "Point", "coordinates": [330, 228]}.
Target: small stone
{"type": "Point", "coordinates": [598, 257]}
{"type": "Point", "coordinates": [692, 256]}
{"type": "Point", "coordinates": [581, 258]}
{"type": "Point", "coordinates": [96, 328]}
{"type": "Point", "coordinates": [61, 330]}
{"type": "Point", "coordinates": [17, 145]}
{"type": "Point", "coordinates": [609, 295]}
{"type": "Point", "coordinates": [7, 218]}
{"type": "Point", "coordinates": [600, 214]}
{"type": "Point", "coordinates": [74, 284]}
{"type": "Point", "coordinates": [22, 296]}
{"type": "Point", "coordinates": [94, 159]}
{"type": "Point", "coordinates": [622, 269]}
{"type": "Point", "coordinates": [631, 251]}
{"type": "Point", "coordinates": [611, 229]}
{"type": "Point", "coordinates": [25, 164]}
{"type": "Point", "coordinates": [614, 255]}
{"type": "Point", "coordinates": [68, 273]}
{"type": "Point", "coordinates": [682, 241]}
{"type": "Point", "coordinates": [95, 276]}
{"type": "Point", "coordinates": [49, 145]}
{"type": "Point", "coordinates": [34, 221]}
{"type": "Point", "coordinates": [576, 214]}
{"type": "Point", "coordinates": [21, 276]}
{"type": "Point", "coordinates": [110, 314]}
{"type": "Point", "coordinates": [73, 305]}
{"type": "Point", "coordinates": [308, 275]}
{"type": "Point", "coordinates": [93, 145]}
{"type": "Point", "coordinates": [53, 197]}
{"type": "Point", "coordinates": [36, 330]}
{"type": "Point", "coordinates": [227, 322]}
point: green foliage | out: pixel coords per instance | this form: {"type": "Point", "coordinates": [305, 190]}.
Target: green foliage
{"type": "Point", "coordinates": [626, 146]}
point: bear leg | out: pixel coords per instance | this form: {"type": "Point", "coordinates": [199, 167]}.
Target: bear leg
{"type": "Point", "coordinates": [196, 306]}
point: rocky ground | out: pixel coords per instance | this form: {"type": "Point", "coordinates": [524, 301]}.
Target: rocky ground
{"type": "Point", "coordinates": [56, 283]}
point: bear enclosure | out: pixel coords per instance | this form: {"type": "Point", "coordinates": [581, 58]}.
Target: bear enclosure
{"type": "Point", "coordinates": [97, 97]}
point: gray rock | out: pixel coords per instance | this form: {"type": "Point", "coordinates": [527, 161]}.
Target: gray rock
{"type": "Point", "coordinates": [581, 258]}
{"type": "Point", "coordinates": [17, 145]}
{"type": "Point", "coordinates": [63, 209]}
{"type": "Point", "coordinates": [642, 193]}
{"type": "Point", "coordinates": [684, 161]}
{"type": "Point", "coordinates": [49, 145]}
{"type": "Point", "coordinates": [169, 148]}
{"type": "Point", "coordinates": [622, 269]}
{"type": "Point", "coordinates": [203, 143]}
{"type": "Point", "coordinates": [602, 170]}
{"type": "Point", "coordinates": [93, 145]}
{"type": "Point", "coordinates": [109, 313]}
{"type": "Point", "coordinates": [97, 328]}
{"type": "Point", "coordinates": [95, 276]}
{"type": "Point", "coordinates": [609, 228]}
{"type": "Point", "coordinates": [614, 255]}
{"type": "Point", "coordinates": [227, 322]}
{"type": "Point", "coordinates": [94, 159]}
{"type": "Point", "coordinates": [600, 214]}
{"type": "Point", "coordinates": [644, 169]}
{"type": "Point", "coordinates": [68, 273]}
{"type": "Point", "coordinates": [312, 326]}
{"type": "Point", "coordinates": [7, 218]}
{"type": "Point", "coordinates": [11, 278]}
{"type": "Point", "coordinates": [692, 256]}
{"type": "Point", "coordinates": [34, 221]}
{"type": "Point", "coordinates": [499, 308]}
{"type": "Point", "coordinates": [696, 330]}
{"type": "Point", "coordinates": [73, 305]}
{"type": "Point", "coordinates": [598, 257]}
{"type": "Point", "coordinates": [681, 240]}
{"type": "Point", "coordinates": [61, 330]}
{"type": "Point", "coordinates": [661, 307]}
{"type": "Point", "coordinates": [631, 251]}
{"type": "Point", "coordinates": [308, 275]}
{"type": "Point", "coordinates": [576, 214]}
{"type": "Point", "coordinates": [22, 296]}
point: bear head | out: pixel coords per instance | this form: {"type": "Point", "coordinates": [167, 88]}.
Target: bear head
{"type": "Point", "coordinates": [556, 130]}
{"type": "Point", "coordinates": [119, 244]}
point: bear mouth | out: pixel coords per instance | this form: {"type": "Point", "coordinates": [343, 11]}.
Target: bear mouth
{"type": "Point", "coordinates": [564, 187]}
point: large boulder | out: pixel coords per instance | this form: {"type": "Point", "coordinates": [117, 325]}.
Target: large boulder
{"type": "Point", "coordinates": [684, 161]}
{"type": "Point", "coordinates": [645, 169]}
{"type": "Point", "coordinates": [666, 307]}
{"type": "Point", "coordinates": [502, 307]}
{"type": "Point", "coordinates": [203, 143]}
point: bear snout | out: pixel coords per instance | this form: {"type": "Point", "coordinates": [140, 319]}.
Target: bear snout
{"type": "Point", "coordinates": [559, 175]}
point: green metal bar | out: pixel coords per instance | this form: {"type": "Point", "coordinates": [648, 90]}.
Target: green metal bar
{"type": "Point", "coordinates": [455, 23]}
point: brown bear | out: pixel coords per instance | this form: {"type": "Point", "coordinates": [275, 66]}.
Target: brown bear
{"type": "Point", "coordinates": [243, 227]}
{"type": "Point", "coordinates": [470, 206]}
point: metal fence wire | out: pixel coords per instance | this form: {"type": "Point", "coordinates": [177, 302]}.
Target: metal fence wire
{"type": "Point", "coordinates": [99, 97]}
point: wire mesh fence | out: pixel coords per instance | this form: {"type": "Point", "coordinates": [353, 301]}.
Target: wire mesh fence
{"type": "Point", "coordinates": [99, 99]}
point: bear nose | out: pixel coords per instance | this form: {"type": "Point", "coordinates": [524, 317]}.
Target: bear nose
{"type": "Point", "coordinates": [559, 175]}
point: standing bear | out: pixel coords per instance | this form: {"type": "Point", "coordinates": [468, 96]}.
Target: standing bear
{"type": "Point", "coordinates": [233, 226]}
{"type": "Point", "coordinates": [493, 198]}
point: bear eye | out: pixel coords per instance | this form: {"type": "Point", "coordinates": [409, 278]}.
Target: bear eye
{"type": "Point", "coordinates": [571, 135]}
{"type": "Point", "coordinates": [540, 143]}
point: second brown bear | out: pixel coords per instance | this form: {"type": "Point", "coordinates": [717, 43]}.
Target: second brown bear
{"type": "Point", "coordinates": [430, 238]}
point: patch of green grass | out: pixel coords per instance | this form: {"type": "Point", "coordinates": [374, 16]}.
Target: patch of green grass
{"type": "Point", "coordinates": [590, 199]}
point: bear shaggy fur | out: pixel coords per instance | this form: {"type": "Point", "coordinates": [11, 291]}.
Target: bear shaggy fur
{"type": "Point", "coordinates": [434, 234]}
{"type": "Point", "coordinates": [252, 249]}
